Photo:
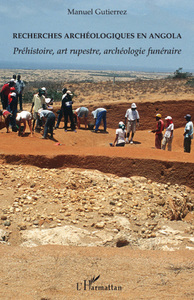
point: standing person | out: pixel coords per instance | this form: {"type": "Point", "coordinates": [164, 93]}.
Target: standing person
{"type": "Point", "coordinates": [19, 90]}
{"type": "Point", "coordinates": [67, 108]}
{"type": "Point", "coordinates": [120, 136]}
{"type": "Point", "coordinates": [5, 92]}
{"type": "Point", "coordinates": [22, 118]}
{"type": "Point", "coordinates": [48, 118]}
{"type": "Point", "coordinates": [168, 136]}
{"type": "Point", "coordinates": [38, 102]}
{"type": "Point", "coordinates": [82, 112]}
{"type": "Point", "coordinates": [99, 114]}
{"type": "Point", "coordinates": [131, 118]}
{"type": "Point", "coordinates": [188, 134]}
{"type": "Point", "coordinates": [12, 108]}
{"type": "Point", "coordinates": [158, 131]}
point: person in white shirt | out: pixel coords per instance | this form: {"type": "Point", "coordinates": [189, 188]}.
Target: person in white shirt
{"type": "Point", "coordinates": [22, 118]}
{"type": "Point", "coordinates": [168, 136]}
{"type": "Point", "coordinates": [131, 118]}
{"type": "Point", "coordinates": [120, 136]}
{"type": "Point", "coordinates": [38, 102]}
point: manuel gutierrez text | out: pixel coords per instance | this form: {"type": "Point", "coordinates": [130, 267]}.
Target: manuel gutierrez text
{"type": "Point", "coordinates": [96, 11]}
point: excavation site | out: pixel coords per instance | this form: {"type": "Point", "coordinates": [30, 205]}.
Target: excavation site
{"type": "Point", "coordinates": [74, 209]}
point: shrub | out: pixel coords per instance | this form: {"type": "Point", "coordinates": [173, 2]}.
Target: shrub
{"type": "Point", "coordinates": [53, 90]}
{"type": "Point", "coordinates": [190, 82]}
{"type": "Point", "coordinates": [181, 75]}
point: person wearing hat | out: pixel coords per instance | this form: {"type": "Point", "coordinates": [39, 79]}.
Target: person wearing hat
{"type": "Point", "coordinates": [120, 136]}
{"type": "Point", "coordinates": [44, 90]}
{"type": "Point", "coordinates": [99, 114]}
{"type": "Point", "coordinates": [188, 134]}
{"type": "Point", "coordinates": [168, 135]}
{"type": "Point", "coordinates": [5, 92]}
{"type": "Point", "coordinates": [158, 131]}
{"type": "Point", "coordinates": [131, 118]}
{"type": "Point", "coordinates": [67, 108]}
{"type": "Point", "coordinates": [38, 102]}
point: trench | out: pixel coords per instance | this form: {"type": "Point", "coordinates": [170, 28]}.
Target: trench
{"type": "Point", "coordinates": [180, 173]}
{"type": "Point", "coordinates": [148, 110]}
{"type": "Point", "coordinates": [155, 170]}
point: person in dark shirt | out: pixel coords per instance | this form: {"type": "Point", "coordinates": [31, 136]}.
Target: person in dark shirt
{"type": "Point", "coordinates": [67, 108]}
{"type": "Point", "coordinates": [158, 131]}
{"type": "Point", "coordinates": [12, 108]}
{"type": "Point", "coordinates": [5, 92]}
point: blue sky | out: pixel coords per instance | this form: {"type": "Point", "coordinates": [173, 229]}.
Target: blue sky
{"type": "Point", "coordinates": [143, 16]}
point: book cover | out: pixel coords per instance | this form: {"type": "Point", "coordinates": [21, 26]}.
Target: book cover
{"type": "Point", "coordinates": [81, 233]}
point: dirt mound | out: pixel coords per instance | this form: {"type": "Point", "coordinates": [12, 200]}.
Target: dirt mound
{"type": "Point", "coordinates": [147, 112]}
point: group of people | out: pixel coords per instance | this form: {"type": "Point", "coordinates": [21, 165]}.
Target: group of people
{"type": "Point", "coordinates": [11, 96]}
{"type": "Point", "coordinates": [15, 85]}
{"type": "Point", "coordinates": [41, 114]}
{"type": "Point", "coordinates": [161, 141]}
{"type": "Point", "coordinates": [128, 128]}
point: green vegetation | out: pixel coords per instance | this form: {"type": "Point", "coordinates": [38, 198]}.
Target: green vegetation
{"type": "Point", "coordinates": [190, 82]}
{"type": "Point", "coordinates": [179, 74]}
{"type": "Point", "coordinates": [53, 90]}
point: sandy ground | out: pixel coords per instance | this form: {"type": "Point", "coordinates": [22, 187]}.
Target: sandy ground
{"type": "Point", "coordinates": [56, 272]}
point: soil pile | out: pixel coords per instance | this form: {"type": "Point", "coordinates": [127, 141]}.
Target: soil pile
{"type": "Point", "coordinates": [93, 209]}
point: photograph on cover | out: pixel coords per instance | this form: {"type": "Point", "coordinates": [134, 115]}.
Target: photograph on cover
{"type": "Point", "coordinates": [96, 149]}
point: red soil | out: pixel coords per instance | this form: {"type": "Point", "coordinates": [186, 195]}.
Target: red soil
{"type": "Point", "coordinates": [86, 149]}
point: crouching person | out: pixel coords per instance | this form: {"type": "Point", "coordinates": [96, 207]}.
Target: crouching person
{"type": "Point", "coordinates": [6, 116]}
{"type": "Point", "coordinates": [22, 118]}
{"type": "Point", "coordinates": [48, 118]}
{"type": "Point", "coordinates": [82, 112]}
